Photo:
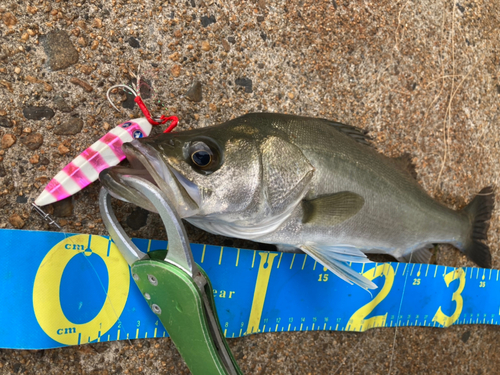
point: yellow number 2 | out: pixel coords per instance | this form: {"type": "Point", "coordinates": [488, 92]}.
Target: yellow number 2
{"type": "Point", "coordinates": [441, 317]}
{"type": "Point", "coordinates": [358, 321]}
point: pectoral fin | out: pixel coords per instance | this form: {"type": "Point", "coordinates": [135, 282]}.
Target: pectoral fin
{"type": "Point", "coordinates": [332, 209]}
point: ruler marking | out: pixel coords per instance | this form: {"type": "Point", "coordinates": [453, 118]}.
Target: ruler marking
{"type": "Point", "coordinates": [477, 274]}
{"type": "Point", "coordinates": [324, 327]}
{"type": "Point", "coordinates": [312, 328]}
{"type": "Point", "coordinates": [88, 245]}
{"type": "Point", "coordinates": [146, 335]}
{"type": "Point", "coordinates": [241, 331]}
{"type": "Point", "coordinates": [411, 272]}
{"type": "Point", "coordinates": [435, 271]}
{"type": "Point", "coordinates": [304, 263]}
{"type": "Point", "coordinates": [261, 285]}
{"type": "Point", "coordinates": [149, 246]}
{"type": "Point", "coordinates": [137, 333]}
{"type": "Point", "coordinates": [301, 324]}
{"type": "Point", "coordinates": [427, 269]}
{"type": "Point", "coordinates": [253, 259]}
{"type": "Point", "coordinates": [203, 253]}
{"type": "Point", "coordinates": [156, 330]}
{"type": "Point", "coordinates": [276, 329]}
{"type": "Point", "coordinates": [314, 268]}
{"type": "Point", "coordinates": [362, 268]}
{"type": "Point", "coordinates": [406, 266]}
{"type": "Point", "coordinates": [225, 332]}
{"type": "Point", "coordinates": [337, 327]}
{"type": "Point", "coordinates": [497, 274]}
{"type": "Point", "coordinates": [289, 325]}
{"type": "Point", "coordinates": [220, 256]}
{"type": "Point", "coordinates": [109, 248]}
{"type": "Point", "coordinates": [489, 277]}
{"type": "Point", "coordinates": [293, 259]}
{"type": "Point", "coordinates": [396, 271]}
{"type": "Point", "coordinates": [279, 261]}
{"type": "Point", "coordinates": [118, 335]}
{"type": "Point", "coordinates": [238, 258]}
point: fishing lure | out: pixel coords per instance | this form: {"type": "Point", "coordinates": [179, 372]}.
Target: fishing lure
{"type": "Point", "coordinates": [104, 153]}
{"type": "Point", "coordinates": [85, 168]}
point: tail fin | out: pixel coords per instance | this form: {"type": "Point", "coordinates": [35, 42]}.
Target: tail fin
{"type": "Point", "coordinates": [479, 212]}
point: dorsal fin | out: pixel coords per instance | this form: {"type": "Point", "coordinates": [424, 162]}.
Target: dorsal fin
{"type": "Point", "coordinates": [359, 135]}
{"type": "Point", "coordinates": [405, 163]}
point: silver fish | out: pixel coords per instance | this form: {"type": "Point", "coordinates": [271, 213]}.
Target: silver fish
{"type": "Point", "coordinates": [302, 183]}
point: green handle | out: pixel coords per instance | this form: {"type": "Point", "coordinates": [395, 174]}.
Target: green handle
{"type": "Point", "coordinates": [177, 300]}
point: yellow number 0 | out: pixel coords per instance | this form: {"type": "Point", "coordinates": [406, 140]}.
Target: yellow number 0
{"type": "Point", "coordinates": [441, 317]}
{"type": "Point", "coordinates": [358, 321]}
{"type": "Point", "coordinates": [46, 302]}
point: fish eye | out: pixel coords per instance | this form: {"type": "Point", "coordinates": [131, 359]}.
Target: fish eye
{"type": "Point", "coordinates": [204, 156]}
{"type": "Point", "coordinates": [201, 158]}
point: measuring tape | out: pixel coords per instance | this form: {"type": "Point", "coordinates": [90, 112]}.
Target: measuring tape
{"type": "Point", "coordinates": [70, 289]}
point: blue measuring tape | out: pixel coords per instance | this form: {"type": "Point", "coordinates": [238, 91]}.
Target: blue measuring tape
{"type": "Point", "coordinates": [69, 289]}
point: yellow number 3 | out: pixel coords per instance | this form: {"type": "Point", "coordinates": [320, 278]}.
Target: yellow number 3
{"type": "Point", "coordinates": [441, 317]}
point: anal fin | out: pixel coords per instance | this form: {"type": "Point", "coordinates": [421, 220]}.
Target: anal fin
{"type": "Point", "coordinates": [422, 255]}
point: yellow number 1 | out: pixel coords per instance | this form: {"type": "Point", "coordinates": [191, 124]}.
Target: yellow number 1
{"type": "Point", "coordinates": [358, 321]}
{"type": "Point", "coordinates": [441, 317]}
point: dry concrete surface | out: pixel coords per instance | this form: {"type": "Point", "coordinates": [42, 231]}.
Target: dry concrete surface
{"type": "Point", "coordinates": [422, 76]}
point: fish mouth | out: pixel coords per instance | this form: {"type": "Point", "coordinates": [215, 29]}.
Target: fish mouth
{"type": "Point", "coordinates": [147, 163]}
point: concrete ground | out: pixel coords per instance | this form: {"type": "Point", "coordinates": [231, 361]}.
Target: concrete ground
{"type": "Point", "coordinates": [422, 76]}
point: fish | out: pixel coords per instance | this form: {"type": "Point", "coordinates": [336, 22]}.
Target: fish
{"type": "Point", "coordinates": [303, 184]}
